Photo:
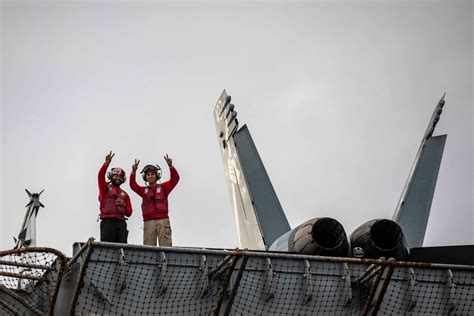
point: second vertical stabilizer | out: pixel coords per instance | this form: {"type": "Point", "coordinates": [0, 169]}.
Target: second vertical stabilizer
{"type": "Point", "coordinates": [414, 207]}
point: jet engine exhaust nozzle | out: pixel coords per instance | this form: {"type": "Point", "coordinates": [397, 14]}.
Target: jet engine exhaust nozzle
{"type": "Point", "coordinates": [379, 238]}
{"type": "Point", "coordinates": [319, 236]}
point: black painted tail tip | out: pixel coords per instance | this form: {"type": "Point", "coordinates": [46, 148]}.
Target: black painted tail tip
{"type": "Point", "coordinates": [227, 100]}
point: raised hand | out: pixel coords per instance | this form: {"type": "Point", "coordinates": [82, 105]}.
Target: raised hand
{"type": "Point", "coordinates": [135, 165]}
{"type": "Point", "coordinates": [109, 157]}
{"type": "Point", "coordinates": [168, 160]}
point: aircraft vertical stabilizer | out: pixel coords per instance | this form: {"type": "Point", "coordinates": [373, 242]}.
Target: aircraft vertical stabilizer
{"type": "Point", "coordinates": [259, 216]}
{"type": "Point", "coordinates": [414, 206]}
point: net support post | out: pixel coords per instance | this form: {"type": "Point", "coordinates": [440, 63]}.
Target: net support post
{"type": "Point", "coordinates": [123, 271]}
{"type": "Point", "coordinates": [269, 294]}
{"type": "Point", "coordinates": [308, 283]}
{"type": "Point", "coordinates": [347, 286]}
{"type": "Point", "coordinates": [412, 288]}
{"type": "Point", "coordinates": [205, 276]}
{"type": "Point", "coordinates": [451, 290]}
{"type": "Point", "coordinates": [162, 276]}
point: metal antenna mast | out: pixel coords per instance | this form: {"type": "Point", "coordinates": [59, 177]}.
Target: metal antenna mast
{"type": "Point", "coordinates": [27, 235]}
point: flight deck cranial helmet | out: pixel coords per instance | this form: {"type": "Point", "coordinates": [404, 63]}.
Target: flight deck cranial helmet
{"type": "Point", "coordinates": [155, 168]}
{"type": "Point", "coordinates": [117, 171]}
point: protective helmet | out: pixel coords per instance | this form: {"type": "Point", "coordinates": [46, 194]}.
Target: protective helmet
{"type": "Point", "coordinates": [118, 171]}
{"type": "Point", "coordinates": [155, 168]}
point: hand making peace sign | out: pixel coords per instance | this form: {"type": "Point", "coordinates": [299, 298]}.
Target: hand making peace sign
{"type": "Point", "coordinates": [168, 160]}
{"type": "Point", "coordinates": [109, 157]}
{"type": "Point", "coordinates": [135, 165]}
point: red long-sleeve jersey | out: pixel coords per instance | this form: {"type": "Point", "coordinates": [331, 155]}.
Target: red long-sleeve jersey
{"type": "Point", "coordinates": [167, 186]}
{"type": "Point", "coordinates": [103, 187]}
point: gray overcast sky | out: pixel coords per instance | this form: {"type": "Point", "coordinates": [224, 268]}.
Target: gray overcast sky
{"type": "Point", "coordinates": [337, 97]}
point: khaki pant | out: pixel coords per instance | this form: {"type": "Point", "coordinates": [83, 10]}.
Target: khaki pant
{"type": "Point", "coordinates": [154, 228]}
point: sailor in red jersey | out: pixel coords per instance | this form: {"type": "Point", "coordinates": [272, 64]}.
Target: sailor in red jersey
{"type": "Point", "coordinates": [115, 205]}
{"type": "Point", "coordinates": [155, 202]}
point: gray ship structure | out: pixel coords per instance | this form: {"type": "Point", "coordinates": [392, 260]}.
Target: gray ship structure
{"type": "Point", "coordinates": [314, 268]}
